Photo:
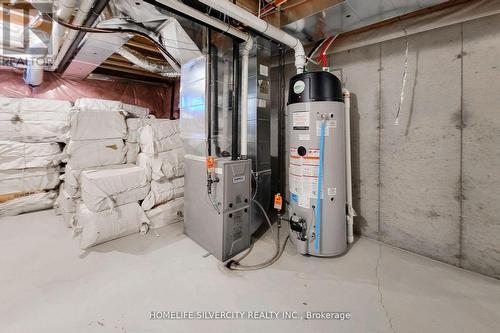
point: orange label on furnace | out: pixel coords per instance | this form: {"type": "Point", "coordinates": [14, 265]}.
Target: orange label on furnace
{"type": "Point", "coordinates": [210, 164]}
{"type": "Point", "coordinates": [278, 201]}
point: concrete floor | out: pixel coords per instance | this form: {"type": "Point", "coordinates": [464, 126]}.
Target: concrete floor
{"type": "Point", "coordinates": [48, 285]}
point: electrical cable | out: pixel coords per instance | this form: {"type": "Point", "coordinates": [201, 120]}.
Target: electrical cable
{"type": "Point", "coordinates": [247, 252]}
{"type": "Point", "coordinates": [256, 177]}
{"type": "Point", "coordinates": [265, 215]}
{"type": "Point", "coordinates": [315, 48]}
{"type": "Point", "coordinates": [405, 73]}
{"type": "Point", "coordinates": [213, 203]}
{"type": "Point", "coordinates": [235, 265]}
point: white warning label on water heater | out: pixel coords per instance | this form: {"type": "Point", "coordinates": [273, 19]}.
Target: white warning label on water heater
{"type": "Point", "coordinates": [303, 174]}
{"type": "Point", "coordinates": [301, 120]}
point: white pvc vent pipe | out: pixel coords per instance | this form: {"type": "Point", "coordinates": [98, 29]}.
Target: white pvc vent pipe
{"type": "Point", "coordinates": [350, 211]}
{"type": "Point", "coordinates": [82, 13]}
{"type": "Point", "coordinates": [65, 9]}
{"type": "Point", "coordinates": [239, 14]}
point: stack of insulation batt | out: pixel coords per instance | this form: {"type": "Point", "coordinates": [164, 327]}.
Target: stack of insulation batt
{"type": "Point", "coordinates": [162, 157]}
{"type": "Point", "coordinates": [31, 131]}
{"type": "Point", "coordinates": [106, 190]}
{"type": "Point", "coordinates": [110, 203]}
{"type": "Point", "coordinates": [96, 140]}
{"type": "Point", "coordinates": [134, 124]}
{"type": "Point", "coordinates": [135, 117]}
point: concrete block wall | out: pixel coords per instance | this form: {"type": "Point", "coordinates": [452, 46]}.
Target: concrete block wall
{"type": "Point", "coordinates": [430, 183]}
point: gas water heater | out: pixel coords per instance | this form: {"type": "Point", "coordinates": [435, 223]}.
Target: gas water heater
{"type": "Point", "coordinates": [317, 164]}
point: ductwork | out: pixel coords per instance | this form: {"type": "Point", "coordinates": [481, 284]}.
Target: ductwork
{"type": "Point", "coordinates": [127, 16]}
{"type": "Point", "coordinates": [177, 42]}
{"type": "Point", "coordinates": [226, 28]}
{"type": "Point", "coordinates": [239, 14]}
{"type": "Point", "coordinates": [95, 49]}
{"type": "Point", "coordinates": [209, 20]}
{"type": "Point", "coordinates": [141, 61]}
{"type": "Point", "coordinates": [82, 13]}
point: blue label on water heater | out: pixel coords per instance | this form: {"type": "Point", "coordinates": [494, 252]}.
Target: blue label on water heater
{"type": "Point", "coordinates": [294, 197]}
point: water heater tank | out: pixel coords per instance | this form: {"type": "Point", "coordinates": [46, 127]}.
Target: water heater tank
{"type": "Point", "coordinates": [317, 164]}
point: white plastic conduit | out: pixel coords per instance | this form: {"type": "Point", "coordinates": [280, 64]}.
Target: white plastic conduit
{"type": "Point", "coordinates": [350, 211]}
{"type": "Point", "coordinates": [239, 14]}
{"type": "Point", "coordinates": [64, 10]}
{"type": "Point", "coordinates": [81, 15]}
{"type": "Point", "coordinates": [179, 6]}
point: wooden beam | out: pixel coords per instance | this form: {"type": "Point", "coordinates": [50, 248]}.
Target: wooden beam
{"type": "Point", "coordinates": [143, 46]}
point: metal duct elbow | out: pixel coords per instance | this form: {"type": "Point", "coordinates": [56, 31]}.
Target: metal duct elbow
{"type": "Point", "coordinates": [149, 65]}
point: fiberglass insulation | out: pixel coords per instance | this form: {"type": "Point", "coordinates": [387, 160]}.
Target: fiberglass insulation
{"type": "Point", "coordinates": [90, 125]}
{"type": "Point", "coordinates": [28, 180]}
{"type": "Point", "coordinates": [34, 120]}
{"type": "Point", "coordinates": [21, 155]}
{"type": "Point", "coordinates": [94, 153]}
{"type": "Point", "coordinates": [113, 186]}
{"type": "Point", "coordinates": [163, 191]}
{"type": "Point", "coordinates": [100, 227]}
{"type": "Point", "coordinates": [166, 213]}
{"type": "Point", "coordinates": [28, 203]}
{"type": "Point", "coordinates": [169, 164]}
{"type": "Point", "coordinates": [160, 136]}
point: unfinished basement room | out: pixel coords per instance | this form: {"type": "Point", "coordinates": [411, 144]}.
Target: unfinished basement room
{"type": "Point", "coordinates": [250, 166]}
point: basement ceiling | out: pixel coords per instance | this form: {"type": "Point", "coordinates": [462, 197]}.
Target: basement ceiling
{"type": "Point", "coordinates": [309, 20]}
{"type": "Point", "coordinates": [350, 15]}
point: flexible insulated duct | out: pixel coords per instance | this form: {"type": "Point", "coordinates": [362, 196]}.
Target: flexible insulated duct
{"type": "Point", "coordinates": [151, 66]}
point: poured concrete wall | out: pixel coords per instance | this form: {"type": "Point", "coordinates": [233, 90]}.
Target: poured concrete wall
{"type": "Point", "coordinates": [481, 146]}
{"type": "Point", "coordinates": [429, 183]}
